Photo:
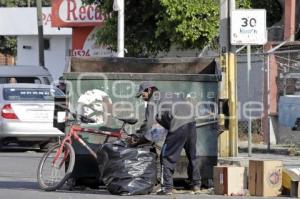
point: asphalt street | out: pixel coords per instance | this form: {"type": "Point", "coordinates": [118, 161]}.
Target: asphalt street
{"type": "Point", "coordinates": [18, 181]}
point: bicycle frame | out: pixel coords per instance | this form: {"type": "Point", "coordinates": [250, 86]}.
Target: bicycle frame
{"type": "Point", "coordinates": [73, 133]}
{"type": "Point", "coordinates": [64, 157]}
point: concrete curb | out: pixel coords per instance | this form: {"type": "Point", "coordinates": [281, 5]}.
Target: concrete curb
{"type": "Point", "coordinates": [278, 151]}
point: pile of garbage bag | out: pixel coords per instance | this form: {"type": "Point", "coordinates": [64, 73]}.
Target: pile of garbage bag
{"type": "Point", "coordinates": [125, 170]}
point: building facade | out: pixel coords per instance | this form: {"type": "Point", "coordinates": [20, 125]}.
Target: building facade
{"type": "Point", "coordinates": [22, 23]}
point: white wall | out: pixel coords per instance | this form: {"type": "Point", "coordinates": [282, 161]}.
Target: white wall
{"type": "Point", "coordinates": [23, 21]}
{"type": "Point", "coordinates": [55, 57]}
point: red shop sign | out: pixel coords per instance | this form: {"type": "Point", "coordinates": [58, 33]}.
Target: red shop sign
{"type": "Point", "coordinates": [72, 13]}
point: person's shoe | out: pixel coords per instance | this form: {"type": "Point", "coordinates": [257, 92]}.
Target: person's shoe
{"type": "Point", "coordinates": [196, 189]}
{"type": "Point", "coordinates": [164, 192]}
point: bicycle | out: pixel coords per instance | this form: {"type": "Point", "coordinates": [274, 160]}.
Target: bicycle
{"type": "Point", "coordinates": [61, 156]}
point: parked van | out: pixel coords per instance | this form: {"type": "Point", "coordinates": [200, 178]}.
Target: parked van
{"type": "Point", "coordinates": [24, 74]}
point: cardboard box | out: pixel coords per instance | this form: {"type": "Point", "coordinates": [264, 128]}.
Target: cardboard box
{"type": "Point", "coordinates": [290, 182]}
{"type": "Point", "coordinates": [230, 180]}
{"type": "Point", "coordinates": [295, 189]}
{"type": "Point", "coordinates": [265, 178]}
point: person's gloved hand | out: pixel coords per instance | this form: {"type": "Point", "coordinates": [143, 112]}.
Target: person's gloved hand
{"type": "Point", "coordinates": [132, 140]}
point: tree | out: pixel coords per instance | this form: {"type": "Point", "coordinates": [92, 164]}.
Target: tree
{"type": "Point", "coordinates": [141, 17]}
{"type": "Point", "coordinates": [153, 26]}
{"type": "Point", "coordinates": [22, 3]}
{"type": "Point", "coordinates": [274, 10]}
{"type": "Point", "coordinates": [8, 45]}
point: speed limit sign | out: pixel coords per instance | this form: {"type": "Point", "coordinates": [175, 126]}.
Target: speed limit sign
{"type": "Point", "coordinates": [248, 27]}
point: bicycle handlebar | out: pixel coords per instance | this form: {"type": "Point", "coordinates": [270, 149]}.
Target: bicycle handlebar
{"type": "Point", "coordinates": [85, 119]}
{"type": "Point", "coordinates": [82, 118]}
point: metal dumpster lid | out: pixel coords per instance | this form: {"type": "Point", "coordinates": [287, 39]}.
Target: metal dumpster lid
{"type": "Point", "coordinates": [142, 77]}
{"type": "Point", "coordinates": [182, 65]}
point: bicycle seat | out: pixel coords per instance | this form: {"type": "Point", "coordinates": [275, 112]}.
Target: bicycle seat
{"type": "Point", "coordinates": [105, 128]}
{"type": "Point", "coordinates": [128, 120]}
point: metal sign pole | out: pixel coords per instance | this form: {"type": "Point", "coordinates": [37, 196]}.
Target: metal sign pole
{"type": "Point", "coordinates": [249, 97]}
{"type": "Point", "coordinates": [248, 26]}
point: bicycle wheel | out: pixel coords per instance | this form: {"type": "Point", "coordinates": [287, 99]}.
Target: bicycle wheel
{"type": "Point", "coordinates": [52, 174]}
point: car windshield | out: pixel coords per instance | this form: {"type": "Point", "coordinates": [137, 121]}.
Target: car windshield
{"type": "Point", "coordinates": [31, 80]}
{"type": "Point", "coordinates": [31, 94]}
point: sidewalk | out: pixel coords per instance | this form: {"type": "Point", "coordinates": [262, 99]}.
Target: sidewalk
{"type": "Point", "coordinates": [263, 148]}
{"type": "Point", "coordinates": [261, 152]}
{"type": "Point", "coordinates": [243, 159]}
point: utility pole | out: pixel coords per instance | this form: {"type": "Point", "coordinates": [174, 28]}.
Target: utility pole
{"type": "Point", "coordinates": [40, 33]}
{"type": "Point", "coordinates": [290, 20]}
{"type": "Point", "coordinates": [228, 140]}
{"type": "Point", "coordinates": [28, 3]}
{"type": "Point", "coordinates": [120, 7]}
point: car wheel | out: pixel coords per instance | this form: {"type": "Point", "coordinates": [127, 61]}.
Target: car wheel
{"type": "Point", "coordinates": [45, 146]}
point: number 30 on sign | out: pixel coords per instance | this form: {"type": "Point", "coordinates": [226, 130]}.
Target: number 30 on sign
{"type": "Point", "coordinates": [248, 27]}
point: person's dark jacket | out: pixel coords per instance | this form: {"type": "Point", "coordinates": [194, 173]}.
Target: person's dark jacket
{"type": "Point", "coordinates": [149, 119]}
{"type": "Point", "coordinates": [168, 109]}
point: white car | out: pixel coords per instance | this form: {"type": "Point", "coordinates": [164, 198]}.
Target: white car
{"type": "Point", "coordinates": [25, 74]}
{"type": "Point", "coordinates": [26, 114]}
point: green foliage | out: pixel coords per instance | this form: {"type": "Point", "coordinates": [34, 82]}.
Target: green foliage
{"type": "Point", "coordinates": [140, 28]}
{"type": "Point", "coordinates": [274, 10]}
{"type": "Point", "coordinates": [243, 4]}
{"type": "Point", "coordinates": [22, 3]}
{"type": "Point", "coordinates": [8, 45]}
{"type": "Point", "coordinates": [196, 22]}
{"type": "Point", "coordinates": [189, 24]}
{"type": "Point", "coordinates": [152, 26]}
{"type": "Point", "coordinates": [13, 3]}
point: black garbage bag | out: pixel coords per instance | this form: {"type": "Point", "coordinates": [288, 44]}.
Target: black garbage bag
{"type": "Point", "coordinates": [127, 171]}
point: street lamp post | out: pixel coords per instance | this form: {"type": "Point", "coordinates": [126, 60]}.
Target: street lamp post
{"type": "Point", "coordinates": [119, 6]}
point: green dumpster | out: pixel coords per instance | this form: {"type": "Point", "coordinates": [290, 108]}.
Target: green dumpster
{"type": "Point", "coordinates": [105, 95]}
